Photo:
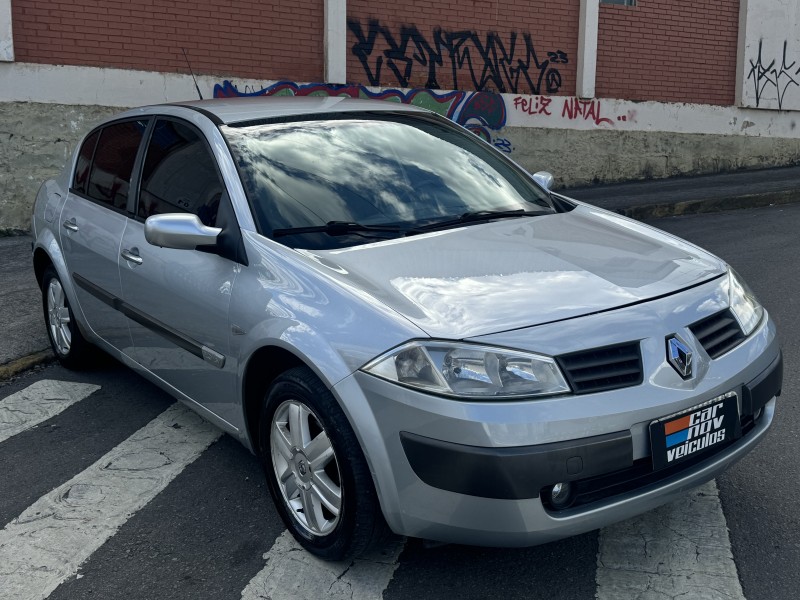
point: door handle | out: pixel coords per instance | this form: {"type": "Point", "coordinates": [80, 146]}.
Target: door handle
{"type": "Point", "coordinates": [70, 224]}
{"type": "Point", "coordinates": [132, 256]}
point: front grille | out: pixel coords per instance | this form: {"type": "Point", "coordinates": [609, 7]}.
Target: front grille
{"type": "Point", "coordinates": [602, 369]}
{"type": "Point", "coordinates": [718, 333]}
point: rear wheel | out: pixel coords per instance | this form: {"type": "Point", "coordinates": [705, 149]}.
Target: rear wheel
{"type": "Point", "coordinates": [69, 346]}
{"type": "Point", "coordinates": [317, 474]}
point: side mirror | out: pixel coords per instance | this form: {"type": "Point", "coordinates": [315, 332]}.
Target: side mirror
{"type": "Point", "coordinates": [179, 231]}
{"type": "Point", "coordinates": [544, 179]}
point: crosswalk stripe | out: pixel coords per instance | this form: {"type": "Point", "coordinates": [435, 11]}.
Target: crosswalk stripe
{"type": "Point", "coordinates": [37, 403]}
{"type": "Point", "coordinates": [291, 573]}
{"type": "Point", "coordinates": [49, 541]}
{"type": "Point", "coordinates": [679, 550]}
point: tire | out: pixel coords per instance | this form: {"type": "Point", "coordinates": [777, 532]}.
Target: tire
{"type": "Point", "coordinates": [69, 346]}
{"type": "Point", "coordinates": [311, 457]}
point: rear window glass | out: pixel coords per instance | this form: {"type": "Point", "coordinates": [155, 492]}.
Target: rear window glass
{"type": "Point", "coordinates": [114, 157]}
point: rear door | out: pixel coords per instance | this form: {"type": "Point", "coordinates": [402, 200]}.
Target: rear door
{"type": "Point", "coordinates": [178, 300]}
{"type": "Point", "coordinates": [93, 220]}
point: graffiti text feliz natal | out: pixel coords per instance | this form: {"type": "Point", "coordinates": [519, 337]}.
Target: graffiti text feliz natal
{"type": "Point", "coordinates": [574, 109]}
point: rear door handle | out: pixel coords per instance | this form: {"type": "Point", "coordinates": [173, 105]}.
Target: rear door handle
{"type": "Point", "coordinates": [70, 224]}
{"type": "Point", "coordinates": [132, 256]}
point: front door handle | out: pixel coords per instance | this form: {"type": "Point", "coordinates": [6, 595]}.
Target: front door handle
{"type": "Point", "coordinates": [132, 256]}
{"type": "Point", "coordinates": [70, 224]}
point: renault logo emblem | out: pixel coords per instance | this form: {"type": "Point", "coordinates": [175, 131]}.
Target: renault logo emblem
{"type": "Point", "coordinates": [679, 356]}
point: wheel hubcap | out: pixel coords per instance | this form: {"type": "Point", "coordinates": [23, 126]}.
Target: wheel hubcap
{"type": "Point", "coordinates": [306, 468]}
{"type": "Point", "coordinates": [58, 317]}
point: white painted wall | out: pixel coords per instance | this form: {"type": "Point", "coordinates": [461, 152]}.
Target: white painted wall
{"type": "Point", "coordinates": [6, 32]}
{"type": "Point", "coordinates": [769, 54]}
{"type": "Point", "coordinates": [90, 86]}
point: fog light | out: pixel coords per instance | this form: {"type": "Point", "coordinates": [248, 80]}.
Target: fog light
{"type": "Point", "coordinates": [757, 416]}
{"type": "Point", "coordinates": [561, 495]}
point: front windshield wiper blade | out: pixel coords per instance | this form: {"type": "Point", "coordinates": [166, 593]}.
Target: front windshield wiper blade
{"type": "Point", "coordinates": [336, 228]}
{"type": "Point", "coordinates": [478, 215]}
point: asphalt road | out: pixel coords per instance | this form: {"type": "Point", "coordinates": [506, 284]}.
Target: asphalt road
{"type": "Point", "coordinates": [211, 531]}
{"type": "Point", "coordinates": [761, 495]}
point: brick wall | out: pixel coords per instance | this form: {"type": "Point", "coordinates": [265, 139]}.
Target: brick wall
{"type": "Point", "coordinates": [261, 39]}
{"type": "Point", "coordinates": [398, 45]}
{"type": "Point", "coordinates": [669, 51]}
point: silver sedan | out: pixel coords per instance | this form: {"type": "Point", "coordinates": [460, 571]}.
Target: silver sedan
{"type": "Point", "coordinates": [412, 333]}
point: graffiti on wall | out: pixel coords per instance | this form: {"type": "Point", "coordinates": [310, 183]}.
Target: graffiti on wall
{"type": "Point", "coordinates": [770, 70]}
{"type": "Point", "coordinates": [771, 77]}
{"type": "Point", "coordinates": [481, 62]}
{"type": "Point", "coordinates": [483, 113]}
{"type": "Point", "coordinates": [571, 109]}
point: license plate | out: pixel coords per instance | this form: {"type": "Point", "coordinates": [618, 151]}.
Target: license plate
{"type": "Point", "coordinates": [684, 435]}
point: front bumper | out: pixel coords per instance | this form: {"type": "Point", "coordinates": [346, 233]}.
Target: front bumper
{"type": "Point", "coordinates": [466, 472]}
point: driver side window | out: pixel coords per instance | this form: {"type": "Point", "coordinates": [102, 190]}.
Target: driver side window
{"type": "Point", "coordinates": [179, 174]}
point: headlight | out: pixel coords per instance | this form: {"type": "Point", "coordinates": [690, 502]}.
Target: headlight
{"type": "Point", "coordinates": [468, 370]}
{"type": "Point", "coordinates": [743, 303]}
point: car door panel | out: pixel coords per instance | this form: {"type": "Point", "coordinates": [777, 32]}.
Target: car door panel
{"type": "Point", "coordinates": [93, 220]}
{"type": "Point", "coordinates": [177, 301]}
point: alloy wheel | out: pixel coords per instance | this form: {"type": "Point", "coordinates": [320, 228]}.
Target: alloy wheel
{"type": "Point", "coordinates": [306, 468]}
{"type": "Point", "coordinates": [58, 317]}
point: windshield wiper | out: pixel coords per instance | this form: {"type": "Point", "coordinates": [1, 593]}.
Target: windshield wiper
{"type": "Point", "coordinates": [479, 215]}
{"type": "Point", "coordinates": [336, 228]}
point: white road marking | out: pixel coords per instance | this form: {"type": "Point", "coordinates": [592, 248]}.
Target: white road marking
{"type": "Point", "coordinates": [679, 550]}
{"type": "Point", "coordinates": [292, 573]}
{"type": "Point", "coordinates": [49, 541]}
{"type": "Point", "coordinates": [37, 403]}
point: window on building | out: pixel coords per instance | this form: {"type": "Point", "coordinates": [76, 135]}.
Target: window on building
{"type": "Point", "coordinates": [622, 2]}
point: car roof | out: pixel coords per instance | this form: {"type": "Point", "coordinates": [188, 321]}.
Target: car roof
{"type": "Point", "coordinates": [235, 110]}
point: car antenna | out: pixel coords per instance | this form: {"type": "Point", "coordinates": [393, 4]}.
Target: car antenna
{"type": "Point", "coordinates": [197, 87]}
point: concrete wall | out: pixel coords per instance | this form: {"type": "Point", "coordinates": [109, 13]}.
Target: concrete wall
{"type": "Point", "coordinates": [35, 141]}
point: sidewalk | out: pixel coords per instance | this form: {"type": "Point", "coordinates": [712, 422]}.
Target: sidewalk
{"type": "Point", "coordinates": [23, 341]}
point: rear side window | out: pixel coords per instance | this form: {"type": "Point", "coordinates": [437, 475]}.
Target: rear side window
{"type": "Point", "coordinates": [110, 178]}
{"type": "Point", "coordinates": [84, 163]}
{"type": "Point", "coordinates": [179, 174]}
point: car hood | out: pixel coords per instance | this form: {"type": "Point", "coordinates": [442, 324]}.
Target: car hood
{"type": "Point", "coordinates": [493, 277]}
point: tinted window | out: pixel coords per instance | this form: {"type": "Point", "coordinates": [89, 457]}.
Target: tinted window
{"type": "Point", "coordinates": [179, 174]}
{"type": "Point", "coordinates": [113, 163]}
{"type": "Point", "coordinates": [84, 163]}
{"type": "Point", "coordinates": [391, 170]}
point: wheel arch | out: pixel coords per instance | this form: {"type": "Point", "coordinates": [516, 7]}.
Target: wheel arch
{"type": "Point", "coordinates": [263, 367]}
{"type": "Point", "coordinates": [41, 260]}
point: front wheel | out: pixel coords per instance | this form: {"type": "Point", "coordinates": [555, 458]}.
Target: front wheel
{"type": "Point", "coordinates": [317, 474]}
{"type": "Point", "coordinates": [69, 346]}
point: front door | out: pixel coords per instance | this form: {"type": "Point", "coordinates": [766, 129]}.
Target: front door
{"type": "Point", "coordinates": [177, 301]}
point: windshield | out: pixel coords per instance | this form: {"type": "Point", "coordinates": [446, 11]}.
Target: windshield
{"type": "Point", "coordinates": [388, 170]}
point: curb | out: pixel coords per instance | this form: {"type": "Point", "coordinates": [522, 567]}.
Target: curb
{"type": "Point", "coordinates": [701, 205]}
{"type": "Point", "coordinates": [17, 366]}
